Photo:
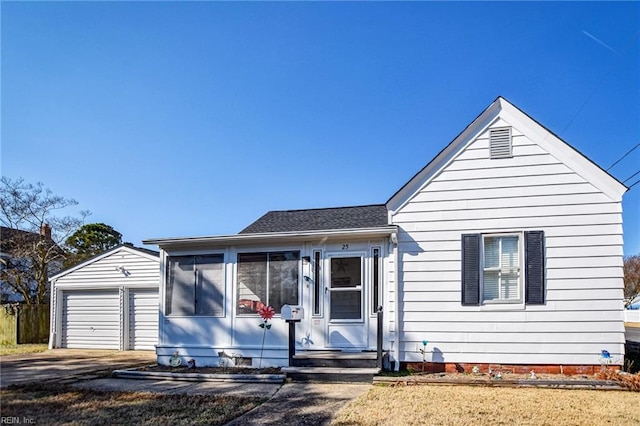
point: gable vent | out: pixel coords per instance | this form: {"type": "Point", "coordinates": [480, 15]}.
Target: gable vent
{"type": "Point", "coordinates": [500, 143]}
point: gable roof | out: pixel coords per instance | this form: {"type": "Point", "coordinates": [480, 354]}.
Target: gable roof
{"type": "Point", "coordinates": [501, 108]}
{"type": "Point", "coordinates": [146, 253]}
{"type": "Point", "coordinates": [356, 217]}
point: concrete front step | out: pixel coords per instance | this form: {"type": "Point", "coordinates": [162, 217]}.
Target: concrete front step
{"type": "Point", "coordinates": [330, 374]}
{"type": "Point", "coordinates": [335, 359]}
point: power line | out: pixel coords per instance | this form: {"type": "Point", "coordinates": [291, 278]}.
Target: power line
{"type": "Point", "coordinates": [606, 74]}
{"type": "Point", "coordinates": [633, 184]}
{"type": "Point", "coordinates": [621, 158]}
{"type": "Point", "coordinates": [629, 178]}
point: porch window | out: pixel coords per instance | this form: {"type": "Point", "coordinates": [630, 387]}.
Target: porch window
{"type": "Point", "coordinates": [267, 279]}
{"type": "Point", "coordinates": [195, 285]}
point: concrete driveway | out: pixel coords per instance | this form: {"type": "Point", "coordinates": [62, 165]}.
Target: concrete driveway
{"type": "Point", "coordinates": [62, 365]}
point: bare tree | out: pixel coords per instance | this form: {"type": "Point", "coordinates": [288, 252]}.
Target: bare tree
{"type": "Point", "coordinates": [31, 238]}
{"type": "Point", "coordinates": [631, 278]}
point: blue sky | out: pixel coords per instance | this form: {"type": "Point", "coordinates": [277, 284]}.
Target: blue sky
{"type": "Point", "coordinates": [180, 119]}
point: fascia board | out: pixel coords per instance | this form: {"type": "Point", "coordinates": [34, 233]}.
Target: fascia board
{"type": "Point", "coordinates": [440, 161]}
{"type": "Point", "coordinates": [225, 240]}
{"type": "Point", "coordinates": [564, 152]}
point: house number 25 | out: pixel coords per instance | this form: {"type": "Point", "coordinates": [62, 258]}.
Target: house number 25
{"type": "Point", "coordinates": [345, 247]}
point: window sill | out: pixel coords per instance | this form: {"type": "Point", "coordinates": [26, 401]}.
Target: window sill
{"type": "Point", "coordinates": [171, 316]}
{"type": "Point", "coordinates": [503, 306]}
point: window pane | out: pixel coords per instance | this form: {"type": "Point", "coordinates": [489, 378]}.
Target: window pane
{"type": "Point", "coordinates": [491, 250]}
{"type": "Point", "coordinates": [180, 286]}
{"type": "Point", "coordinates": [252, 282]}
{"type": "Point", "coordinates": [501, 276]}
{"type": "Point", "coordinates": [210, 285]}
{"type": "Point", "coordinates": [509, 257]}
{"type": "Point", "coordinates": [510, 289]}
{"type": "Point", "coordinates": [316, 283]}
{"type": "Point", "coordinates": [376, 279]}
{"type": "Point", "coordinates": [283, 279]}
{"type": "Point", "coordinates": [346, 272]}
{"type": "Point", "coordinates": [345, 304]}
{"type": "Point", "coordinates": [490, 286]}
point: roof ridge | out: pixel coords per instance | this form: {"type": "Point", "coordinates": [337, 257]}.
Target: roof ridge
{"type": "Point", "coordinates": [329, 208]}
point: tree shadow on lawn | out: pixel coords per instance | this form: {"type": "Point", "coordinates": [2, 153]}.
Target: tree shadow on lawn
{"type": "Point", "coordinates": [62, 404]}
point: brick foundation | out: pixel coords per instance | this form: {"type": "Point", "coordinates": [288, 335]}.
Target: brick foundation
{"type": "Point", "coordinates": [569, 370]}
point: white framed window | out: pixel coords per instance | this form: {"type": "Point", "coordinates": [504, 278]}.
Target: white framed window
{"type": "Point", "coordinates": [501, 268]}
{"type": "Point", "coordinates": [195, 285]}
{"type": "Point", "coordinates": [318, 294]}
{"type": "Point", "coordinates": [376, 279]}
{"type": "Point", "coordinates": [267, 279]}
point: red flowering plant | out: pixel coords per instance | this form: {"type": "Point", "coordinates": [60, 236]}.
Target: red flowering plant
{"type": "Point", "coordinates": [266, 312]}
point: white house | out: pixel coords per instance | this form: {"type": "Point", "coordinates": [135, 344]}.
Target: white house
{"type": "Point", "coordinates": [107, 302]}
{"type": "Point", "coordinates": [505, 249]}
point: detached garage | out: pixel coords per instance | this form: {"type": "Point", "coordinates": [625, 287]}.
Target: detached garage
{"type": "Point", "coordinates": [107, 302]}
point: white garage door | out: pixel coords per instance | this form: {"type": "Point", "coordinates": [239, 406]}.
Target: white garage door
{"type": "Point", "coordinates": [91, 319]}
{"type": "Point", "coordinates": [143, 319]}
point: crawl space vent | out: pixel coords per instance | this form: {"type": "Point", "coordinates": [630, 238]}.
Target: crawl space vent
{"type": "Point", "coordinates": [500, 143]}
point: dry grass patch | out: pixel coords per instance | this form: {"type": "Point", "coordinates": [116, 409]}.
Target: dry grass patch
{"type": "Point", "coordinates": [23, 349]}
{"type": "Point", "coordinates": [64, 405]}
{"type": "Point", "coordinates": [455, 405]}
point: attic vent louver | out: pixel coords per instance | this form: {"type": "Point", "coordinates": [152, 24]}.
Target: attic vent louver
{"type": "Point", "coordinates": [500, 142]}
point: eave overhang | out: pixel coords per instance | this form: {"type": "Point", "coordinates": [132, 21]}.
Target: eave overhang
{"type": "Point", "coordinates": [319, 236]}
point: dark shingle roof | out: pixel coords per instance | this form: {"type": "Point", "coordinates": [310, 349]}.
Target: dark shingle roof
{"type": "Point", "coordinates": [320, 219]}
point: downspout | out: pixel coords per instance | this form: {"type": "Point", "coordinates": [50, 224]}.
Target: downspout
{"type": "Point", "coordinates": [396, 310]}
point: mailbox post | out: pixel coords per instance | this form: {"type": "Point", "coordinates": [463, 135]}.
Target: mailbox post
{"type": "Point", "coordinates": [292, 314]}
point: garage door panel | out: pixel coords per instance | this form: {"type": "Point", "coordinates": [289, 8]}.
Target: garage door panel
{"type": "Point", "coordinates": [143, 319]}
{"type": "Point", "coordinates": [91, 319]}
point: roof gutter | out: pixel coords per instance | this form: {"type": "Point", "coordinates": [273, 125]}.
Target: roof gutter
{"type": "Point", "coordinates": [268, 237]}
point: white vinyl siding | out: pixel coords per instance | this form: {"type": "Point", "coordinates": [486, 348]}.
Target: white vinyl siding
{"type": "Point", "coordinates": [533, 190]}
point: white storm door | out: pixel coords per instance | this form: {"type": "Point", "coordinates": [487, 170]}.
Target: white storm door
{"type": "Point", "coordinates": [344, 291]}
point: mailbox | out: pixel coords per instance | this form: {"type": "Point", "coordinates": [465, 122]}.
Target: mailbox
{"type": "Point", "coordinates": [292, 312]}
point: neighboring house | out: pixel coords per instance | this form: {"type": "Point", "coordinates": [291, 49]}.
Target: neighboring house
{"type": "Point", "coordinates": [109, 301]}
{"type": "Point", "coordinates": [17, 255]}
{"type": "Point", "coordinates": [505, 249]}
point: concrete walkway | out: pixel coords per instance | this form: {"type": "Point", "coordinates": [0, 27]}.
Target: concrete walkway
{"type": "Point", "coordinates": [180, 387]}
{"type": "Point", "coordinates": [303, 404]}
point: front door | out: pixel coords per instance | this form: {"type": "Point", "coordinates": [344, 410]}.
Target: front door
{"type": "Point", "coordinates": [344, 297]}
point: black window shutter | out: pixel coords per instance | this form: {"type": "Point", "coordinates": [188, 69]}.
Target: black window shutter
{"type": "Point", "coordinates": [471, 269]}
{"type": "Point", "coordinates": [534, 269]}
